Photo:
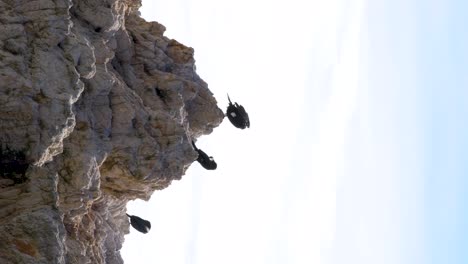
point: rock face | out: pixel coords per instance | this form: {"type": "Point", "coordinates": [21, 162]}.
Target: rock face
{"type": "Point", "coordinates": [97, 108]}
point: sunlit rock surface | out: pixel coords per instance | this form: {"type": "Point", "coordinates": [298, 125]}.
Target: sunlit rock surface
{"type": "Point", "coordinates": [97, 108]}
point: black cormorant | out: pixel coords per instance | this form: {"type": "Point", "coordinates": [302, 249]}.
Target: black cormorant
{"type": "Point", "coordinates": [139, 224]}
{"type": "Point", "coordinates": [237, 115]}
{"type": "Point", "coordinates": [207, 162]}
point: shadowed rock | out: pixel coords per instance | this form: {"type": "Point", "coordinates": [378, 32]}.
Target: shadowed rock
{"type": "Point", "coordinates": [13, 165]}
{"type": "Point", "coordinates": [237, 115]}
{"type": "Point", "coordinates": [207, 162]}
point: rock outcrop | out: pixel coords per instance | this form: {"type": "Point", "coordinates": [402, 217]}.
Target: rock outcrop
{"type": "Point", "coordinates": [97, 108]}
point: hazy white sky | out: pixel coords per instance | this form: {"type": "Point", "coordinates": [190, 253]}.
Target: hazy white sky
{"type": "Point", "coordinates": [356, 148]}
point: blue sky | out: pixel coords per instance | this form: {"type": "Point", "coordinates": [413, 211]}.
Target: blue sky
{"type": "Point", "coordinates": [444, 61]}
{"type": "Point", "coordinates": [357, 151]}
{"type": "Point", "coordinates": [418, 59]}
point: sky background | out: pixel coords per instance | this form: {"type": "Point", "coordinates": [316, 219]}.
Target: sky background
{"type": "Point", "coordinates": [358, 145]}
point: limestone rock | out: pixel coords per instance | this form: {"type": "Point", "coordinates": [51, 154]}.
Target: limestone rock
{"type": "Point", "coordinates": [98, 107]}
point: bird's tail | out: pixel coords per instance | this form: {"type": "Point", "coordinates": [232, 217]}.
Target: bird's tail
{"type": "Point", "coordinates": [128, 215]}
{"type": "Point", "coordinates": [229, 99]}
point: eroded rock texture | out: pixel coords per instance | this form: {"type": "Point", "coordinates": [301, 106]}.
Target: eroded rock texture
{"type": "Point", "coordinates": [97, 108]}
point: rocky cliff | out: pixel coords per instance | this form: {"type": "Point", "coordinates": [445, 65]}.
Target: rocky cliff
{"type": "Point", "coordinates": [97, 108]}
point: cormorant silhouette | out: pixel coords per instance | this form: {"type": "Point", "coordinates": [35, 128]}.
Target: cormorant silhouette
{"type": "Point", "coordinates": [207, 162]}
{"type": "Point", "coordinates": [139, 224]}
{"type": "Point", "coordinates": [237, 115]}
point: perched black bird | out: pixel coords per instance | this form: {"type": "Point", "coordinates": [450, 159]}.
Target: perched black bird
{"type": "Point", "coordinates": [237, 115]}
{"type": "Point", "coordinates": [207, 162]}
{"type": "Point", "coordinates": [139, 224]}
